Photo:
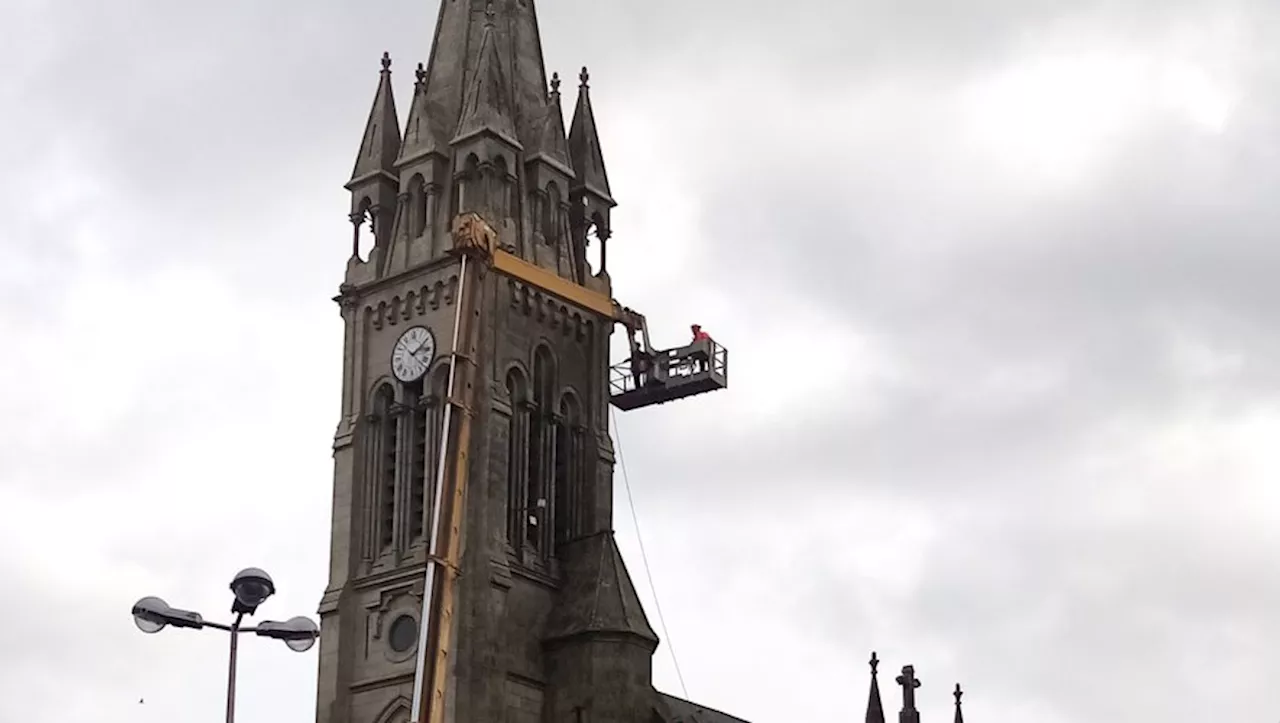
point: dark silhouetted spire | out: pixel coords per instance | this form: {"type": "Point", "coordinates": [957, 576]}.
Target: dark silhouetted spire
{"type": "Point", "coordinates": [875, 709]}
{"type": "Point", "coordinates": [909, 683]}
{"type": "Point", "coordinates": [584, 145]}
{"type": "Point", "coordinates": [488, 104]}
{"type": "Point", "coordinates": [959, 714]}
{"type": "Point", "coordinates": [381, 142]}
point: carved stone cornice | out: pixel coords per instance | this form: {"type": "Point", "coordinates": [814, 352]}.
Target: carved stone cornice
{"type": "Point", "coordinates": [551, 312]}
{"type": "Point", "coordinates": [414, 303]}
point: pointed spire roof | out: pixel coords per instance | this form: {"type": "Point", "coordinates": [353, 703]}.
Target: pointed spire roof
{"type": "Point", "coordinates": [958, 694]}
{"type": "Point", "coordinates": [875, 709]}
{"type": "Point", "coordinates": [509, 29]}
{"type": "Point", "coordinates": [584, 144]}
{"type": "Point", "coordinates": [550, 143]}
{"type": "Point", "coordinates": [421, 133]}
{"type": "Point", "coordinates": [381, 142]}
{"type": "Point", "coordinates": [598, 595]}
{"type": "Point", "coordinates": [488, 105]}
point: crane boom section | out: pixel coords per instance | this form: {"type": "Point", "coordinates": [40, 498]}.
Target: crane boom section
{"type": "Point", "coordinates": [517, 268]}
{"type": "Point", "coordinates": [509, 264]}
{"type": "Point", "coordinates": [473, 244]}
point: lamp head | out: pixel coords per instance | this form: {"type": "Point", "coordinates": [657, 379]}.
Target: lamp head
{"type": "Point", "coordinates": [252, 587]}
{"type": "Point", "coordinates": [151, 615]}
{"type": "Point", "coordinates": [298, 633]}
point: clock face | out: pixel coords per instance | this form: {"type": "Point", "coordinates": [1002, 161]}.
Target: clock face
{"type": "Point", "coordinates": [413, 354]}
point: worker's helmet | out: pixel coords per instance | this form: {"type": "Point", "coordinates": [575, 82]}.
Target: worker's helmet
{"type": "Point", "coordinates": [696, 327]}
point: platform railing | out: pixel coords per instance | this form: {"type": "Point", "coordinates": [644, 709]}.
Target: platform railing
{"type": "Point", "coordinates": [672, 367]}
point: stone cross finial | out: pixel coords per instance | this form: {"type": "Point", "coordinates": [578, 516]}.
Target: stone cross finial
{"type": "Point", "coordinates": [875, 662]}
{"type": "Point", "coordinates": [909, 683]}
{"type": "Point", "coordinates": [489, 15]}
{"type": "Point", "coordinates": [386, 62]}
{"type": "Point", "coordinates": [555, 84]}
{"type": "Point", "coordinates": [585, 77]}
{"type": "Point", "coordinates": [958, 694]}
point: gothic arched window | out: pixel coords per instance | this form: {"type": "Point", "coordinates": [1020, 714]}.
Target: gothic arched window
{"type": "Point", "coordinates": [469, 194]}
{"type": "Point", "coordinates": [538, 492]}
{"type": "Point", "coordinates": [569, 477]}
{"type": "Point", "coordinates": [418, 472]}
{"type": "Point", "coordinates": [387, 442]}
{"type": "Point", "coordinates": [499, 188]}
{"type": "Point", "coordinates": [537, 210]}
{"type": "Point", "coordinates": [427, 452]}
{"type": "Point", "coordinates": [417, 206]}
{"type": "Point", "coordinates": [551, 215]}
{"type": "Point", "coordinates": [363, 245]}
{"type": "Point", "coordinates": [397, 712]}
{"type": "Point", "coordinates": [517, 457]}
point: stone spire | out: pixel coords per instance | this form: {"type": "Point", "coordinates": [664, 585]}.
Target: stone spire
{"type": "Point", "coordinates": [550, 143]}
{"type": "Point", "coordinates": [374, 183]}
{"type": "Point", "coordinates": [513, 56]}
{"type": "Point", "coordinates": [488, 104]}
{"type": "Point", "coordinates": [421, 136]}
{"type": "Point", "coordinates": [584, 145]}
{"type": "Point", "coordinates": [590, 199]}
{"type": "Point", "coordinates": [381, 142]}
{"type": "Point", "coordinates": [875, 709]}
{"type": "Point", "coordinates": [484, 136]}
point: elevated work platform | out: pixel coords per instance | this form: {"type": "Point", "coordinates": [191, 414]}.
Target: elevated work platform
{"type": "Point", "coordinates": [669, 375]}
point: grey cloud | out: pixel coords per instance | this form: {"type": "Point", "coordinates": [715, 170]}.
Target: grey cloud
{"type": "Point", "coordinates": [1146, 617]}
{"type": "Point", "coordinates": [1106, 626]}
{"type": "Point", "coordinates": [220, 137]}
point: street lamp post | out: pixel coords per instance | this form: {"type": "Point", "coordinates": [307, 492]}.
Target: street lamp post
{"type": "Point", "coordinates": [251, 587]}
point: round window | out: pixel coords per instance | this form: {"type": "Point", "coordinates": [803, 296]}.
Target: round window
{"type": "Point", "coordinates": [403, 634]}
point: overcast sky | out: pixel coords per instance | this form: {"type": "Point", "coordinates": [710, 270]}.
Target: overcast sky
{"type": "Point", "coordinates": [997, 278]}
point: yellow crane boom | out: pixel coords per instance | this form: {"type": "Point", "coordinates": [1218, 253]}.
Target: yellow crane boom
{"type": "Point", "coordinates": [473, 243]}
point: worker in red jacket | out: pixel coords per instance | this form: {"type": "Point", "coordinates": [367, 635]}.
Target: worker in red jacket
{"type": "Point", "coordinates": [702, 356]}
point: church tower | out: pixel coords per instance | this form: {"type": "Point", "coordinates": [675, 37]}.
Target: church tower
{"type": "Point", "coordinates": [547, 624]}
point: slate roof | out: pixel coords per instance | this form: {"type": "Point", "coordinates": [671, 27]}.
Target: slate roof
{"type": "Point", "coordinates": [683, 711]}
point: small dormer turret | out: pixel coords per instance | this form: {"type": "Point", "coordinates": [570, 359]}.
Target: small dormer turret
{"type": "Point", "coordinates": [374, 184]}
{"type": "Point", "coordinates": [589, 197]}
{"type": "Point", "coordinates": [549, 176]}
